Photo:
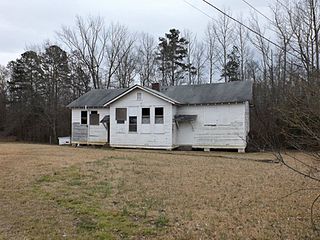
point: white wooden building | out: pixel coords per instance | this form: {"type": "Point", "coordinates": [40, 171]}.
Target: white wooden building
{"type": "Point", "coordinates": [209, 116]}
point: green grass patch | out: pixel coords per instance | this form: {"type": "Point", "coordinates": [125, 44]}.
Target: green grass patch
{"type": "Point", "coordinates": [88, 197]}
{"type": "Point", "coordinates": [162, 221]}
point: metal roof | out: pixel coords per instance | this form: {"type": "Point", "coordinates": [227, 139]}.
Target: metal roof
{"type": "Point", "coordinates": [215, 93]}
{"type": "Point", "coordinates": [239, 91]}
{"type": "Point", "coordinates": [162, 95]}
{"type": "Point", "coordinates": [96, 98]}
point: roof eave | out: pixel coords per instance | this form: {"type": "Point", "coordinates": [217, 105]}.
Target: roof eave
{"type": "Point", "coordinates": [216, 103]}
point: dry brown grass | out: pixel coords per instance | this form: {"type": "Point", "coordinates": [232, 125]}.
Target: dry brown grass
{"type": "Point", "coordinates": [82, 193]}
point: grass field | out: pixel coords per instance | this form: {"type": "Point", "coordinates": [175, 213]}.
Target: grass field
{"type": "Point", "coordinates": [51, 192]}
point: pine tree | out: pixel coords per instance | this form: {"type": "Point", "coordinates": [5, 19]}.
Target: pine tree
{"type": "Point", "coordinates": [58, 87]}
{"type": "Point", "coordinates": [172, 50]}
{"type": "Point", "coordinates": [39, 88]}
{"type": "Point", "coordinates": [231, 69]}
{"type": "Point", "coordinates": [25, 95]}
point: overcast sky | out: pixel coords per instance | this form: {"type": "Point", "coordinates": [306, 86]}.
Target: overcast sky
{"type": "Point", "coordinates": [30, 22]}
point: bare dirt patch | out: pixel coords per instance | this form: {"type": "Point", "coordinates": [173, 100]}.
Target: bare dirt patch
{"type": "Point", "coordinates": [82, 193]}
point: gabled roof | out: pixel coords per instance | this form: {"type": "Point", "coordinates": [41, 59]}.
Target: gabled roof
{"type": "Point", "coordinates": [96, 98]}
{"type": "Point", "coordinates": [216, 93]}
{"type": "Point", "coordinates": [239, 91]}
{"type": "Point", "coordinates": [149, 90]}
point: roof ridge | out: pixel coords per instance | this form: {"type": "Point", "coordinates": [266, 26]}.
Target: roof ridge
{"type": "Point", "coordinates": [205, 84]}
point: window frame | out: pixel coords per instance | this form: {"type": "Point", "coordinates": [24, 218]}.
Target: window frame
{"type": "Point", "coordinates": [120, 120]}
{"type": "Point", "coordinates": [84, 119]}
{"type": "Point", "coordinates": [158, 116]}
{"type": "Point", "coordinates": [96, 119]}
{"type": "Point", "coordinates": [145, 116]}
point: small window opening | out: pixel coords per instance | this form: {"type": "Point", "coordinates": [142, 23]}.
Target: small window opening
{"type": "Point", "coordinates": [145, 116]}
{"type": "Point", "coordinates": [94, 118]}
{"type": "Point", "coordinates": [84, 117]}
{"type": "Point", "coordinates": [158, 115]}
{"type": "Point", "coordinates": [121, 115]}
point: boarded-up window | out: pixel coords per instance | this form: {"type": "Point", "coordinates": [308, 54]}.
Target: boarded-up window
{"type": "Point", "coordinates": [121, 115]}
{"type": "Point", "coordinates": [158, 115]}
{"type": "Point", "coordinates": [145, 116]}
{"type": "Point", "coordinates": [94, 118]}
{"type": "Point", "coordinates": [84, 117]}
{"type": "Point", "coordinates": [132, 124]}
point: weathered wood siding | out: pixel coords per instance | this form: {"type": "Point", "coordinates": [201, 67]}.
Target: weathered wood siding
{"type": "Point", "coordinates": [216, 126]}
{"type": "Point", "coordinates": [148, 135]}
{"type": "Point", "coordinates": [86, 133]}
{"type": "Point", "coordinates": [247, 117]}
{"type": "Point", "coordinates": [174, 127]}
{"type": "Point", "coordinates": [79, 133]}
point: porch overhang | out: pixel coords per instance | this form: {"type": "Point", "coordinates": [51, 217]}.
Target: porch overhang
{"type": "Point", "coordinates": [105, 121]}
{"type": "Point", "coordinates": [185, 118]}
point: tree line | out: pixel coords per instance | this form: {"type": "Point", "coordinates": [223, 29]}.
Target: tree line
{"type": "Point", "coordinates": [35, 88]}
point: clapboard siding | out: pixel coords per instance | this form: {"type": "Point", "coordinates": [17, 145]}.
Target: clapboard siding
{"type": "Point", "coordinates": [148, 135]}
{"type": "Point", "coordinates": [247, 117]}
{"type": "Point", "coordinates": [93, 133]}
{"type": "Point", "coordinates": [216, 126]}
{"type": "Point", "coordinates": [174, 127]}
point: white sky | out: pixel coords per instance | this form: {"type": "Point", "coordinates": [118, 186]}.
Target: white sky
{"type": "Point", "coordinates": [29, 22]}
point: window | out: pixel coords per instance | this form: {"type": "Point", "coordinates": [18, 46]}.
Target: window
{"type": "Point", "coordinates": [158, 115]}
{"type": "Point", "coordinates": [121, 115]}
{"type": "Point", "coordinates": [145, 116]}
{"type": "Point", "coordinates": [139, 96]}
{"type": "Point", "coordinates": [84, 117]}
{"type": "Point", "coordinates": [94, 118]}
{"type": "Point", "coordinates": [133, 124]}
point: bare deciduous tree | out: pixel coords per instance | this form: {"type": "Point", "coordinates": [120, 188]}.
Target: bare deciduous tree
{"type": "Point", "coordinates": [191, 45]}
{"type": "Point", "coordinates": [127, 62]}
{"type": "Point", "coordinates": [211, 54]}
{"type": "Point", "coordinates": [224, 34]}
{"type": "Point", "coordinates": [244, 51]}
{"type": "Point", "coordinates": [263, 48]}
{"type": "Point", "coordinates": [119, 44]}
{"type": "Point", "coordinates": [146, 65]}
{"type": "Point", "coordinates": [199, 63]}
{"type": "Point", "coordinates": [89, 39]}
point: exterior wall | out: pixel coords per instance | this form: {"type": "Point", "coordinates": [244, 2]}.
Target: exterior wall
{"type": "Point", "coordinates": [86, 133]}
{"type": "Point", "coordinates": [216, 126]}
{"type": "Point", "coordinates": [247, 117]}
{"type": "Point", "coordinates": [174, 127]}
{"type": "Point", "coordinates": [148, 135]}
